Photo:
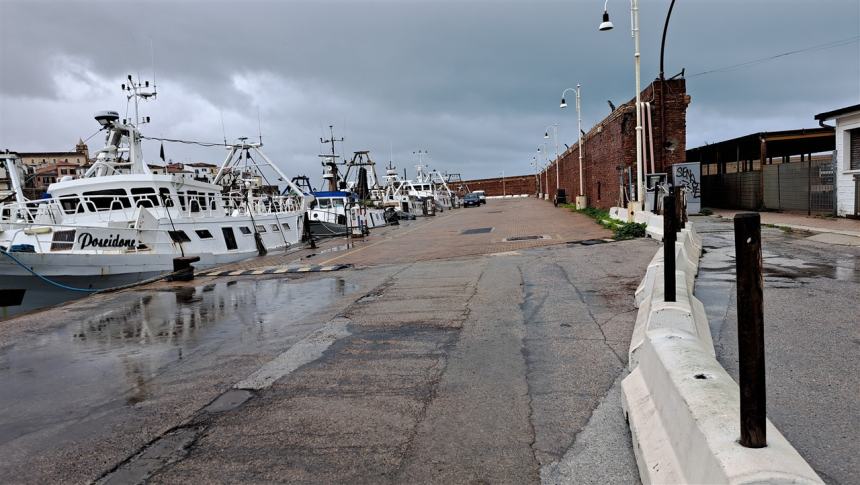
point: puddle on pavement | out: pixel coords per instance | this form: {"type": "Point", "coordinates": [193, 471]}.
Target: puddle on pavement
{"type": "Point", "coordinates": [115, 358]}
{"type": "Point", "coordinates": [783, 266]}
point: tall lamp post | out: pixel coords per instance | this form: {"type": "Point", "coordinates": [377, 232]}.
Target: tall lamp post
{"type": "Point", "coordinates": [545, 169]}
{"type": "Point", "coordinates": [581, 199]}
{"type": "Point", "coordinates": [634, 27]}
{"type": "Point", "coordinates": [554, 126]}
{"type": "Point", "coordinates": [537, 176]}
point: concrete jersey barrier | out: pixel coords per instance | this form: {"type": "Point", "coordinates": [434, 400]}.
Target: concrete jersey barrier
{"type": "Point", "coordinates": [682, 406]}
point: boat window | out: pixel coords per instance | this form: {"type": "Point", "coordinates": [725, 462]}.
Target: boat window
{"type": "Point", "coordinates": [194, 201]}
{"type": "Point", "coordinates": [70, 204]}
{"type": "Point", "coordinates": [244, 230]}
{"type": "Point", "coordinates": [324, 203]}
{"type": "Point", "coordinates": [179, 236]}
{"type": "Point", "coordinates": [166, 197]}
{"type": "Point", "coordinates": [106, 199]}
{"type": "Point", "coordinates": [182, 200]}
{"type": "Point", "coordinates": [203, 234]}
{"type": "Point", "coordinates": [261, 228]}
{"type": "Point", "coordinates": [338, 202]}
{"type": "Point", "coordinates": [229, 238]}
{"type": "Point", "coordinates": [144, 197]}
{"type": "Point", "coordinates": [275, 228]}
{"type": "Point", "coordinates": [286, 226]}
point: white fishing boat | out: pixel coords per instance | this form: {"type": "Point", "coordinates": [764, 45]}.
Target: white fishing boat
{"type": "Point", "coordinates": [347, 207]}
{"type": "Point", "coordinates": [423, 196]}
{"type": "Point", "coordinates": [120, 223]}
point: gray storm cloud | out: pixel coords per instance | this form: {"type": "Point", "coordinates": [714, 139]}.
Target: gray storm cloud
{"type": "Point", "coordinates": [475, 83]}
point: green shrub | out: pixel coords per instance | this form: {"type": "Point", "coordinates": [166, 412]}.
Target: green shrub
{"type": "Point", "coordinates": [629, 230]}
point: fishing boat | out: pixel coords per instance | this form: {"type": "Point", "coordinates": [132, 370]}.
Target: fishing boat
{"type": "Point", "coordinates": [347, 206]}
{"type": "Point", "coordinates": [120, 223]}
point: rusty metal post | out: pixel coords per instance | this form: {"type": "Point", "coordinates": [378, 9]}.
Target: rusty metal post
{"type": "Point", "coordinates": [669, 228]}
{"type": "Point", "coordinates": [751, 370]}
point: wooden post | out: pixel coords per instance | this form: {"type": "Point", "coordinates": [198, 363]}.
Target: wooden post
{"type": "Point", "coordinates": [669, 228]}
{"type": "Point", "coordinates": [751, 371]}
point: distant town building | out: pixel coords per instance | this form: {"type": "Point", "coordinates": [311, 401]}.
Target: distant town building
{"type": "Point", "coordinates": [44, 175]}
{"type": "Point", "coordinates": [847, 163]}
{"type": "Point", "coordinates": [202, 171]}
{"type": "Point", "coordinates": [81, 156]}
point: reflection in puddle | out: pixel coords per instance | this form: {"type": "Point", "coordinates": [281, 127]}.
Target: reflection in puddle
{"type": "Point", "coordinates": [121, 356]}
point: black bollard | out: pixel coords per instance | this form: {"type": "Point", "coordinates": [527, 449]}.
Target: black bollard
{"type": "Point", "coordinates": [751, 372]}
{"type": "Point", "coordinates": [669, 236]}
{"type": "Point", "coordinates": [182, 269]}
{"type": "Point", "coordinates": [307, 234]}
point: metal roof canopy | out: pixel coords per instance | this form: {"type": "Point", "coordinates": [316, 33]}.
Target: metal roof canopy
{"type": "Point", "coordinates": [759, 146]}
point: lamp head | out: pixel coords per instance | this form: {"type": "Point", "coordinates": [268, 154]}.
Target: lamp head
{"type": "Point", "coordinates": [606, 24]}
{"type": "Point", "coordinates": [546, 135]}
{"type": "Point", "coordinates": [563, 103]}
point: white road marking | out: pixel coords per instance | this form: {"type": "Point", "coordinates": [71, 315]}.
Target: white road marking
{"type": "Point", "coordinates": [303, 352]}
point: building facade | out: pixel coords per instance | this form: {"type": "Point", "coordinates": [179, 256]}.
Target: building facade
{"type": "Point", "coordinates": [847, 167]}
{"type": "Point", "coordinates": [80, 156]}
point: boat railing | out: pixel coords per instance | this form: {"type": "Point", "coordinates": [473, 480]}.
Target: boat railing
{"type": "Point", "coordinates": [108, 209]}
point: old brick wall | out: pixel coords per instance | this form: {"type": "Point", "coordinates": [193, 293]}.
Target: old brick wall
{"type": "Point", "coordinates": [516, 185]}
{"type": "Point", "coordinates": [611, 143]}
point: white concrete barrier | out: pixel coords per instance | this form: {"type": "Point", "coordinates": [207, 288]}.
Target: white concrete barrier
{"type": "Point", "coordinates": [619, 214]}
{"type": "Point", "coordinates": [682, 406]}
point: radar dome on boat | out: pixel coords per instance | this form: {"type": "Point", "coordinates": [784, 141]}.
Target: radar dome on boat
{"type": "Point", "coordinates": [106, 117]}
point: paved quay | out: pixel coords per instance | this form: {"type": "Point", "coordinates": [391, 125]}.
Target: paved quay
{"type": "Point", "coordinates": [831, 230]}
{"type": "Point", "coordinates": [444, 355]}
{"type": "Point", "coordinates": [811, 333]}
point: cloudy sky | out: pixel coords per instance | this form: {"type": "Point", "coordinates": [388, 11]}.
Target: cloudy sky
{"type": "Point", "coordinates": [475, 83]}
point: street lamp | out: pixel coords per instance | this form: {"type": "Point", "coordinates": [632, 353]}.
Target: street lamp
{"type": "Point", "coordinates": [581, 200]}
{"type": "Point", "coordinates": [544, 169]}
{"type": "Point", "coordinates": [503, 184]}
{"type": "Point", "coordinates": [634, 28]}
{"type": "Point", "coordinates": [537, 176]}
{"type": "Point", "coordinates": [554, 126]}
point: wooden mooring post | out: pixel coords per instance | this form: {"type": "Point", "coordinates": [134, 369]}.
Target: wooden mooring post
{"type": "Point", "coordinates": [669, 235]}
{"type": "Point", "coordinates": [751, 371]}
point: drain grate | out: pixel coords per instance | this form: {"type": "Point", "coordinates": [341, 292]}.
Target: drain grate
{"type": "Point", "coordinates": [523, 238]}
{"type": "Point", "coordinates": [477, 230]}
{"type": "Point", "coordinates": [591, 242]}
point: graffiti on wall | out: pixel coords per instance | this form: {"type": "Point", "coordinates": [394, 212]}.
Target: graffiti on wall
{"type": "Point", "coordinates": [689, 176]}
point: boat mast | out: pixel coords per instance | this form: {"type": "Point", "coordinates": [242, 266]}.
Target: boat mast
{"type": "Point", "coordinates": [330, 161]}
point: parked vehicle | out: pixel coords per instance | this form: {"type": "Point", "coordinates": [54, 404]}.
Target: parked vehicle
{"type": "Point", "coordinates": [481, 195]}
{"type": "Point", "coordinates": [472, 200]}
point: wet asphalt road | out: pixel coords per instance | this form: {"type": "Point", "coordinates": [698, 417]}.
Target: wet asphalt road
{"type": "Point", "coordinates": [479, 369]}
{"type": "Point", "coordinates": [812, 338]}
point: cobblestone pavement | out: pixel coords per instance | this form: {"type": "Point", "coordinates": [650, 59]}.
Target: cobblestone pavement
{"type": "Point", "coordinates": [479, 364]}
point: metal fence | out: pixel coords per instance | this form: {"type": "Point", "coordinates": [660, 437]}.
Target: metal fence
{"type": "Point", "coordinates": [807, 186]}
{"type": "Point", "coordinates": [801, 186]}
{"type": "Point", "coordinates": [732, 190]}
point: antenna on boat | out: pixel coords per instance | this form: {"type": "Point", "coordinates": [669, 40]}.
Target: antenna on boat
{"type": "Point", "coordinates": [223, 130]}
{"type": "Point", "coordinates": [139, 90]}
{"type": "Point", "coordinates": [259, 125]}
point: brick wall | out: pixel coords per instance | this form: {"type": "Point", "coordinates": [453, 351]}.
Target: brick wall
{"type": "Point", "coordinates": [611, 143]}
{"type": "Point", "coordinates": [516, 185]}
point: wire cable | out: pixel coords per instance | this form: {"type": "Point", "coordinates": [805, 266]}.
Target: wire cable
{"type": "Point", "coordinates": [828, 45]}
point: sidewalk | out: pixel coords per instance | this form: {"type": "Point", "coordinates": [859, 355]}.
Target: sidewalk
{"type": "Point", "coordinates": [829, 230]}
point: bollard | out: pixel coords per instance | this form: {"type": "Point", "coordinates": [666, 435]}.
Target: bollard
{"type": "Point", "coordinates": [307, 234]}
{"type": "Point", "coordinates": [679, 207]}
{"type": "Point", "coordinates": [182, 269]}
{"type": "Point", "coordinates": [751, 372]}
{"type": "Point", "coordinates": [669, 233]}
